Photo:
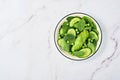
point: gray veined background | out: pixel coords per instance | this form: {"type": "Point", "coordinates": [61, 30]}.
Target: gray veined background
{"type": "Point", "coordinates": [27, 49]}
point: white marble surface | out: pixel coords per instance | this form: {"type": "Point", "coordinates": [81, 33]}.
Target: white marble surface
{"type": "Point", "coordinates": [27, 49]}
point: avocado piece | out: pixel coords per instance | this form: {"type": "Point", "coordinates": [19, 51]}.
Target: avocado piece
{"type": "Point", "coordinates": [91, 46]}
{"type": "Point", "coordinates": [82, 37]}
{"type": "Point", "coordinates": [63, 44]}
{"type": "Point", "coordinates": [96, 31]}
{"type": "Point", "coordinates": [71, 31]}
{"type": "Point", "coordinates": [94, 36]}
{"type": "Point", "coordinates": [83, 53]}
{"type": "Point", "coordinates": [73, 21]}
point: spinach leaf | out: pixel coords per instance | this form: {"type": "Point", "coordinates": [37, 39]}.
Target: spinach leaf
{"type": "Point", "coordinates": [92, 47]}
{"type": "Point", "coordinates": [62, 43]}
{"type": "Point", "coordinates": [94, 36]}
{"type": "Point", "coordinates": [70, 18]}
{"type": "Point", "coordinates": [80, 25]}
{"type": "Point", "coordinates": [82, 53]}
{"type": "Point", "coordinates": [69, 37]}
{"type": "Point", "coordinates": [89, 21]}
{"type": "Point", "coordinates": [64, 28]}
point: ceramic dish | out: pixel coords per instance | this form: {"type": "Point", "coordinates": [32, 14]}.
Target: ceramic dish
{"type": "Point", "coordinates": [78, 36]}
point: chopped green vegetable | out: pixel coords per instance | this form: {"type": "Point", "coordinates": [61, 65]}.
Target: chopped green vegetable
{"type": "Point", "coordinates": [80, 25]}
{"type": "Point", "coordinates": [91, 46]}
{"type": "Point", "coordinates": [63, 44]}
{"type": "Point", "coordinates": [64, 28]}
{"type": "Point", "coordinates": [88, 28]}
{"type": "Point", "coordinates": [93, 35]}
{"type": "Point", "coordinates": [80, 40]}
{"type": "Point", "coordinates": [82, 53]}
{"type": "Point", "coordinates": [69, 37]}
{"type": "Point", "coordinates": [96, 31]}
{"type": "Point", "coordinates": [70, 18]}
{"type": "Point", "coordinates": [71, 31]}
{"type": "Point", "coordinates": [89, 21]}
{"type": "Point", "coordinates": [73, 21]}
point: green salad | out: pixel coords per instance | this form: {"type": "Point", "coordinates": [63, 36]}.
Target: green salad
{"type": "Point", "coordinates": [78, 36]}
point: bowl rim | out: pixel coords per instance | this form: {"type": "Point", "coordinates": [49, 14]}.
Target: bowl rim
{"type": "Point", "coordinates": [63, 52]}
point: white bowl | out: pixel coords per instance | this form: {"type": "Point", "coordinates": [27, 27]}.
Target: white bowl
{"type": "Point", "coordinates": [66, 54]}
